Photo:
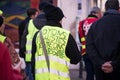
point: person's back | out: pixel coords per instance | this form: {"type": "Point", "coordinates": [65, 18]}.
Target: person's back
{"type": "Point", "coordinates": [60, 45]}
{"type": "Point", "coordinates": [103, 47]}
{"type": "Point", "coordinates": [85, 25]}
{"type": "Point", "coordinates": [107, 29]}
{"type": "Point", "coordinates": [56, 54]}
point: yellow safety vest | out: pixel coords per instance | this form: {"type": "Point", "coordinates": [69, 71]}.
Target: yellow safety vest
{"type": "Point", "coordinates": [31, 31]}
{"type": "Point", "coordinates": [2, 38]}
{"type": "Point", "coordinates": [55, 39]}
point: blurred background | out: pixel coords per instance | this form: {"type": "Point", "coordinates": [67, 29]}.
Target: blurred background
{"type": "Point", "coordinates": [74, 11]}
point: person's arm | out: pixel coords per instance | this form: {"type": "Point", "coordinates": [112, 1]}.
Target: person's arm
{"type": "Point", "coordinates": [72, 51]}
{"type": "Point", "coordinates": [33, 53]}
{"type": "Point", "coordinates": [23, 42]}
{"type": "Point", "coordinates": [92, 51]}
{"type": "Point", "coordinates": [21, 29]}
{"type": "Point", "coordinates": [116, 60]}
{"type": "Point", "coordinates": [82, 38]}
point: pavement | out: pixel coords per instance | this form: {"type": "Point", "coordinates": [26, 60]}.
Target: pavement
{"type": "Point", "coordinates": [74, 74]}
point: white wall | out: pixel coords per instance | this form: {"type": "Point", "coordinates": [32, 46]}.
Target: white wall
{"type": "Point", "coordinates": [69, 8]}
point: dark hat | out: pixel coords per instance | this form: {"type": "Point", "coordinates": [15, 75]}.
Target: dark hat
{"type": "Point", "coordinates": [53, 13]}
{"type": "Point", "coordinates": [1, 21]}
{"type": "Point", "coordinates": [112, 4]}
{"type": "Point", "coordinates": [43, 4]}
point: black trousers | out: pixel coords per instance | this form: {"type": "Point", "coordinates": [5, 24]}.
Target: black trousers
{"type": "Point", "coordinates": [89, 68]}
{"type": "Point", "coordinates": [100, 75]}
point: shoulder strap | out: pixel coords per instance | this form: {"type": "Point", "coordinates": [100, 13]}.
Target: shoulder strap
{"type": "Point", "coordinates": [45, 51]}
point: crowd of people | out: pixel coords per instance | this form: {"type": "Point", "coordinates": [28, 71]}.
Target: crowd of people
{"type": "Point", "coordinates": [46, 49]}
{"type": "Point", "coordinates": [84, 27]}
{"type": "Point", "coordinates": [100, 43]}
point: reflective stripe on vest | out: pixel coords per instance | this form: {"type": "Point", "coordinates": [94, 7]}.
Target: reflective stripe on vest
{"type": "Point", "coordinates": [31, 31]}
{"type": "Point", "coordinates": [45, 70]}
{"type": "Point", "coordinates": [40, 58]}
{"type": "Point", "coordinates": [83, 39]}
{"type": "Point", "coordinates": [83, 46]}
{"type": "Point", "coordinates": [28, 42]}
{"type": "Point", "coordinates": [55, 39]}
{"type": "Point", "coordinates": [2, 38]}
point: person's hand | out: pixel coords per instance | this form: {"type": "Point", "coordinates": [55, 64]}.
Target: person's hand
{"type": "Point", "coordinates": [107, 67]}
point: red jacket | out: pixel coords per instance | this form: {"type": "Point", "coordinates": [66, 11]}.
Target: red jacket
{"type": "Point", "coordinates": [6, 71]}
{"type": "Point", "coordinates": [83, 29]}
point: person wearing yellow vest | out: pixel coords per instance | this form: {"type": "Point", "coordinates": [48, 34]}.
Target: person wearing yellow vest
{"type": "Point", "coordinates": [31, 14]}
{"type": "Point", "coordinates": [60, 45]}
{"type": "Point", "coordinates": [7, 41]}
{"type": "Point", "coordinates": [26, 31]}
{"type": "Point", "coordinates": [31, 28]}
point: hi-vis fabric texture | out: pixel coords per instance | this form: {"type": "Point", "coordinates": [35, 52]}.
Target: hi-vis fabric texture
{"type": "Point", "coordinates": [31, 31]}
{"type": "Point", "coordinates": [55, 39]}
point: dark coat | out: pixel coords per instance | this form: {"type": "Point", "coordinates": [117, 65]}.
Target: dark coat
{"type": "Point", "coordinates": [22, 27]}
{"type": "Point", "coordinates": [21, 30]}
{"type": "Point", "coordinates": [103, 40]}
